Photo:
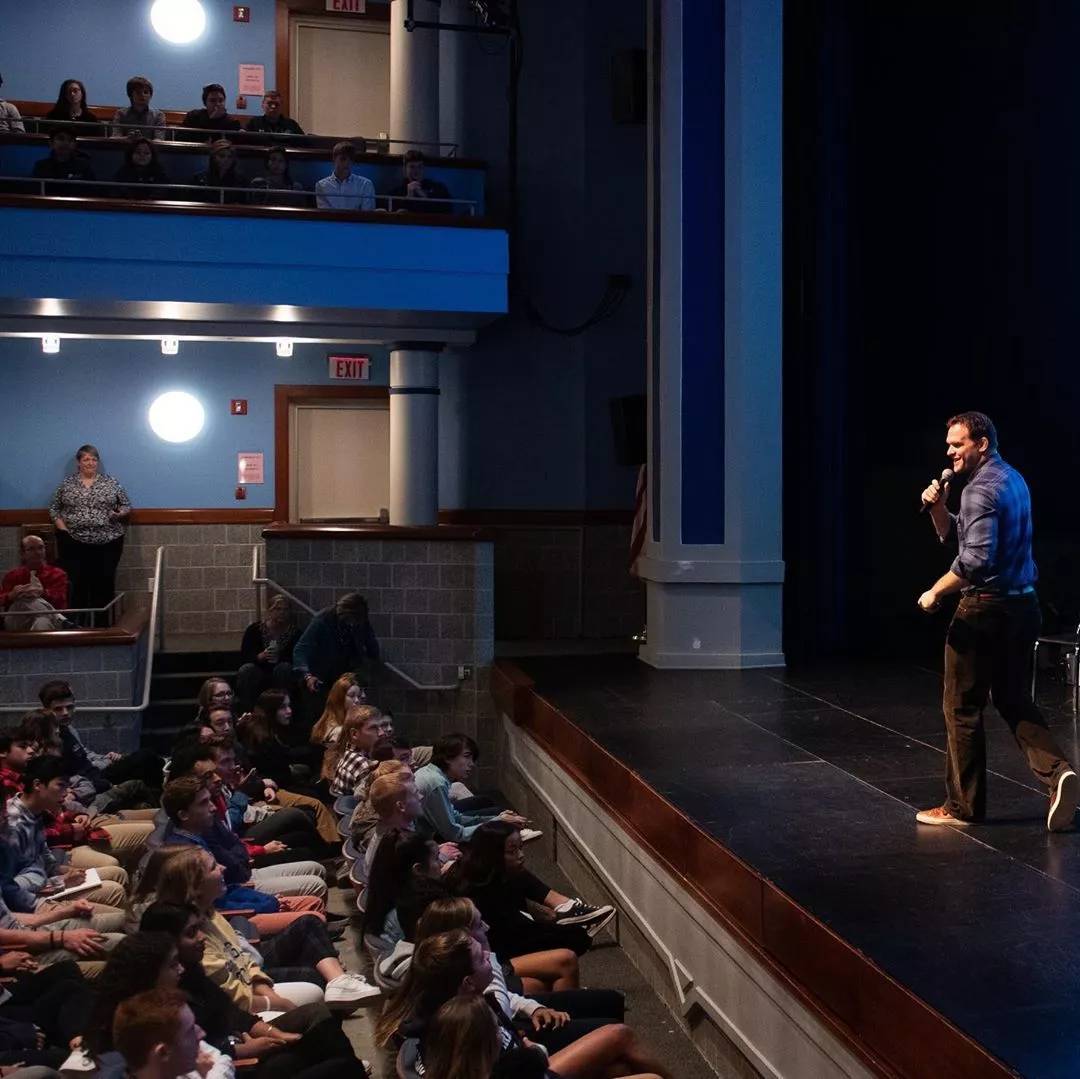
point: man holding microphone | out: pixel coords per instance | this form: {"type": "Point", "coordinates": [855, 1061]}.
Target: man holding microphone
{"type": "Point", "coordinates": [988, 647]}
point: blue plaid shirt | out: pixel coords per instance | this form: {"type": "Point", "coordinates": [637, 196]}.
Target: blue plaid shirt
{"type": "Point", "coordinates": [993, 529]}
{"type": "Point", "coordinates": [32, 862]}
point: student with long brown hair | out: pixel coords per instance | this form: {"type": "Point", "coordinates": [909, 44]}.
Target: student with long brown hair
{"type": "Point", "coordinates": [344, 694]}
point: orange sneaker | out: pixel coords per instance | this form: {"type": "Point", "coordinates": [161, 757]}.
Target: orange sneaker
{"type": "Point", "coordinates": [939, 815]}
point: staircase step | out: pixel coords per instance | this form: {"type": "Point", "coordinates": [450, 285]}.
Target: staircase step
{"type": "Point", "coordinates": [181, 684]}
{"type": "Point", "coordinates": [181, 662]}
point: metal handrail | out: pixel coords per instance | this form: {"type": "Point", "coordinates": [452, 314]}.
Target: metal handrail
{"type": "Point", "coordinates": [243, 136]}
{"type": "Point", "coordinates": [148, 672]}
{"type": "Point", "coordinates": [263, 194]}
{"type": "Point", "coordinates": [72, 610]}
{"type": "Point", "coordinates": [257, 579]}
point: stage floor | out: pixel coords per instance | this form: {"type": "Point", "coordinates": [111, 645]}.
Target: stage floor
{"type": "Point", "coordinates": [812, 778]}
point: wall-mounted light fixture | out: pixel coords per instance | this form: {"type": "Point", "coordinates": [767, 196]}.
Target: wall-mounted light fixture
{"type": "Point", "coordinates": [176, 416]}
{"type": "Point", "coordinates": [170, 346]}
{"type": "Point", "coordinates": [50, 343]}
{"type": "Point", "coordinates": [180, 22]}
{"type": "Point", "coordinates": [284, 347]}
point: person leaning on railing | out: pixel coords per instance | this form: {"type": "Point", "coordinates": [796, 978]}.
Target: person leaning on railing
{"type": "Point", "coordinates": [273, 121]}
{"type": "Point", "coordinates": [90, 511]}
{"type": "Point", "coordinates": [415, 193]}
{"type": "Point", "coordinates": [35, 589]}
{"type": "Point", "coordinates": [139, 118]}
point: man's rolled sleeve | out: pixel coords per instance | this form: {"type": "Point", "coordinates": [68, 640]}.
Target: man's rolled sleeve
{"type": "Point", "coordinates": [979, 546]}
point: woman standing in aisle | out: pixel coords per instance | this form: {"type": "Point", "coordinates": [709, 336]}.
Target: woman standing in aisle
{"type": "Point", "coordinates": [90, 510]}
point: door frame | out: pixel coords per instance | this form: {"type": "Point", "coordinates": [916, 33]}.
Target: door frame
{"type": "Point", "coordinates": [330, 21]}
{"type": "Point", "coordinates": [284, 398]}
{"type": "Point", "coordinates": [283, 45]}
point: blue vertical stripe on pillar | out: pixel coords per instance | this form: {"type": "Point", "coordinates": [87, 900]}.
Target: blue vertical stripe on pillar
{"type": "Point", "coordinates": [703, 174]}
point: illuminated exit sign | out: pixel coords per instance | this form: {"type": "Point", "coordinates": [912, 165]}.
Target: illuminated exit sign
{"type": "Point", "coordinates": [349, 7]}
{"type": "Point", "coordinates": [352, 368]}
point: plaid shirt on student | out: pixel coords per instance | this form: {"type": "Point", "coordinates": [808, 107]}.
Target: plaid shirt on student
{"type": "Point", "coordinates": [32, 862]}
{"type": "Point", "coordinates": [351, 770]}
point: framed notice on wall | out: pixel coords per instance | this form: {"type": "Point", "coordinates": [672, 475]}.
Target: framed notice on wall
{"type": "Point", "coordinates": [252, 79]}
{"type": "Point", "coordinates": [249, 468]}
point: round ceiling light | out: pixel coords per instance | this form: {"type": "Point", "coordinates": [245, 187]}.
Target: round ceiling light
{"type": "Point", "coordinates": [179, 22]}
{"type": "Point", "coordinates": [176, 416]}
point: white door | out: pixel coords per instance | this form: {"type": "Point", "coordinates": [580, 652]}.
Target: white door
{"type": "Point", "coordinates": [341, 76]}
{"type": "Point", "coordinates": [341, 460]}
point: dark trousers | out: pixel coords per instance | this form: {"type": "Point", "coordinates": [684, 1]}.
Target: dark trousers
{"type": "Point", "coordinates": [302, 944]}
{"type": "Point", "coordinates": [323, 1050]}
{"type": "Point", "coordinates": [91, 567]}
{"type": "Point", "coordinates": [988, 652]}
{"type": "Point", "coordinates": [253, 678]}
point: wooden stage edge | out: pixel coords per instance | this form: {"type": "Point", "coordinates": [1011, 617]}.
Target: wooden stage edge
{"type": "Point", "coordinates": [893, 1031]}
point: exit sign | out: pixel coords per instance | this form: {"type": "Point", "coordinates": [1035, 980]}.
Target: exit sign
{"type": "Point", "coordinates": [241, 13]}
{"type": "Point", "coordinates": [354, 368]}
{"type": "Point", "coordinates": [349, 7]}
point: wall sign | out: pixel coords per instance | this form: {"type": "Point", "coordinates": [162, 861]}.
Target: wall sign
{"type": "Point", "coordinates": [349, 7]}
{"type": "Point", "coordinates": [249, 468]}
{"type": "Point", "coordinates": [252, 79]}
{"type": "Point", "coordinates": [353, 368]}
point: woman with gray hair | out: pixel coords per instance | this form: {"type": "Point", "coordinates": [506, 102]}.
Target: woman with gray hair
{"type": "Point", "coordinates": [90, 510]}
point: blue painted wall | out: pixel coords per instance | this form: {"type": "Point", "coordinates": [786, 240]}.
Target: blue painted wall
{"type": "Point", "coordinates": [104, 42]}
{"type": "Point", "coordinates": [100, 391]}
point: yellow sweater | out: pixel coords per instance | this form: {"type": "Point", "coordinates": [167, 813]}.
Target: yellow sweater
{"type": "Point", "coordinates": [228, 963]}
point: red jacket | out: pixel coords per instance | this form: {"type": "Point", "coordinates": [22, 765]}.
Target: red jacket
{"type": "Point", "coordinates": [10, 782]}
{"type": "Point", "coordinates": [54, 582]}
{"type": "Point", "coordinates": [60, 831]}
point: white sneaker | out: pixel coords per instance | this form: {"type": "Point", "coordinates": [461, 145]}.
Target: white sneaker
{"type": "Point", "coordinates": [530, 833]}
{"type": "Point", "coordinates": [1063, 804]}
{"type": "Point", "coordinates": [350, 989]}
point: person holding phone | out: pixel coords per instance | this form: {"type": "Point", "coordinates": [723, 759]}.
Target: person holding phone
{"type": "Point", "coordinates": [90, 511]}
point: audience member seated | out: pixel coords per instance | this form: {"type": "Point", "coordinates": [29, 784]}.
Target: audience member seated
{"type": "Point", "coordinates": [397, 807]}
{"type": "Point", "coordinates": [454, 964]}
{"type": "Point", "coordinates": [35, 589]}
{"type": "Point", "coordinates": [33, 1034]}
{"type": "Point", "coordinates": [266, 652]}
{"type": "Point", "coordinates": [303, 954]}
{"type": "Point", "coordinates": [141, 175]}
{"type": "Point", "coordinates": [452, 761]}
{"type": "Point", "coordinates": [301, 1043]}
{"type": "Point", "coordinates": [35, 872]}
{"type": "Point", "coordinates": [71, 108]}
{"type": "Point", "coordinates": [105, 770]}
{"type": "Point", "coordinates": [343, 189]}
{"type": "Point", "coordinates": [364, 817]}
{"type": "Point", "coordinates": [274, 186]}
{"type": "Point", "coordinates": [215, 694]}
{"type": "Point", "coordinates": [351, 756]}
{"type": "Point", "coordinates": [406, 876]}
{"type": "Point", "coordinates": [344, 694]}
{"type": "Point", "coordinates": [139, 965]}
{"type": "Point", "coordinates": [273, 121]}
{"type": "Point", "coordinates": [64, 162]}
{"type": "Point", "coordinates": [337, 641]}
{"type": "Point", "coordinates": [189, 817]}
{"type": "Point", "coordinates": [156, 1036]}
{"type": "Point", "coordinates": [56, 932]}
{"type": "Point", "coordinates": [492, 873]}
{"type": "Point", "coordinates": [414, 193]}
{"type": "Point", "coordinates": [260, 733]}
{"type": "Point", "coordinates": [222, 172]}
{"type": "Point", "coordinates": [10, 120]}
{"type": "Point", "coordinates": [212, 116]}
{"type": "Point", "coordinates": [139, 119]}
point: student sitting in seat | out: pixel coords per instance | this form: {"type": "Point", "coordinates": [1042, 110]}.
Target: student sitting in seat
{"type": "Point", "coordinates": [274, 186]}
{"type": "Point", "coordinates": [10, 120]}
{"type": "Point", "coordinates": [140, 170]}
{"type": "Point", "coordinates": [222, 172]}
{"type": "Point", "coordinates": [212, 116]}
{"type": "Point", "coordinates": [344, 190]}
{"type": "Point", "coordinates": [138, 119]}
{"type": "Point", "coordinates": [273, 121]}
{"type": "Point", "coordinates": [71, 107]}
{"type": "Point", "coordinates": [35, 588]}
{"type": "Point", "coordinates": [266, 651]}
{"type": "Point", "coordinates": [64, 162]}
{"type": "Point", "coordinates": [414, 194]}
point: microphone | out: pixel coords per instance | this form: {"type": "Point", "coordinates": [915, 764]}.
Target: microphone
{"type": "Point", "coordinates": [946, 478]}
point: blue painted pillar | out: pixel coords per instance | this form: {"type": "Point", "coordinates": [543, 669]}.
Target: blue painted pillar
{"type": "Point", "coordinates": [712, 559]}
